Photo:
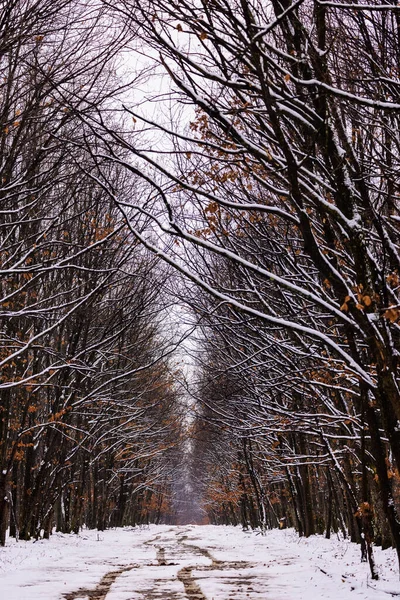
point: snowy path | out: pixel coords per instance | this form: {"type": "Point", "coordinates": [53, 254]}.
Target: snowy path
{"type": "Point", "coordinates": [190, 563]}
{"type": "Point", "coordinates": [168, 577]}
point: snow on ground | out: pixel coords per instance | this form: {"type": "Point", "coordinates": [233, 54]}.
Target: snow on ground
{"type": "Point", "coordinates": [283, 566]}
{"type": "Point", "coordinates": [46, 570]}
{"type": "Point", "coordinates": [163, 562]}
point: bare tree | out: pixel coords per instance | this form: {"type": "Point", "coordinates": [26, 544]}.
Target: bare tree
{"type": "Point", "coordinates": [288, 172]}
{"type": "Point", "coordinates": [85, 389]}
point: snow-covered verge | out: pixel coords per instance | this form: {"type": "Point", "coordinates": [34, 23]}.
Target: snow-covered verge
{"type": "Point", "coordinates": [48, 569]}
{"type": "Point", "coordinates": [286, 567]}
{"type": "Point", "coordinates": [240, 565]}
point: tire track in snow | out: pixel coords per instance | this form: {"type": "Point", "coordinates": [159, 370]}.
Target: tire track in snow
{"type": "Point", "coordinates": [103, 587]}
{"type": "Point", "coordinates": [192, 590]}
{"type": "Point", "coordinates": [101, 590]}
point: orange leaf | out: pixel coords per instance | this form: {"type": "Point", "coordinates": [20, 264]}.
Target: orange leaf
{"type": "Point", "coordinates": [392, 314]}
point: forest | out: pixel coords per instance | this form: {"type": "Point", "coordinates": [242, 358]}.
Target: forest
{"type": "Point", "coordinates": [200, 266]}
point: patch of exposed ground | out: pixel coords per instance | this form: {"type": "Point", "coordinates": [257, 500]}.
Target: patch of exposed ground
{"type": "Point", "coordinates": [161, 557]}
{"type": "Point", "coordinates": [192, 590]}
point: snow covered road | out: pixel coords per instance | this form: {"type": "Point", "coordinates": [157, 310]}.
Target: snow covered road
{"type": "Point", "coordinates": [190, 563]}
